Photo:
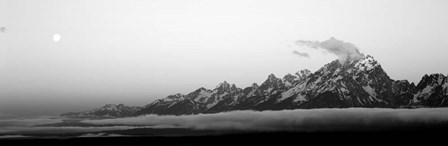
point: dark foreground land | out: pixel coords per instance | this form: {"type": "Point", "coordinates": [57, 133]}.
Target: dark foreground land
{"type": "Point", "coordinates": [336, 138]}
{"type": "Point", "coordinates": [427, 135]}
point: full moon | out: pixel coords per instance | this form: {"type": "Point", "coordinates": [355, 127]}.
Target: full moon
{"type": "Point", "coordinates": [56, 37]}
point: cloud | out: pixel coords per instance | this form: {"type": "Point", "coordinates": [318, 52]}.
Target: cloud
{"type": "Point", "coordinates": [2, 29]}
{"type": "Point", "coordinates": [339, 48]}
{"type": "Point", "coordinates": [301, 54]}
{"type": "Point", "coordinates": [290, 120]}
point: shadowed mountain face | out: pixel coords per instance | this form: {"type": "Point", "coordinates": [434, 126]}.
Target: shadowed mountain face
{"type": "Point", "coordinates": [109, 110]}
{"type": "Point", "coordinates": [357, 82]}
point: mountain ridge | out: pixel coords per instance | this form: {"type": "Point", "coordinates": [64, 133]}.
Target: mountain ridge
{"type": "Point", "coordinates": [358, 82]}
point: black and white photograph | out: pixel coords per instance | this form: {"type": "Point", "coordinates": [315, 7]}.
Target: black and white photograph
{"type": "Point", "coordinates": [223, 72]}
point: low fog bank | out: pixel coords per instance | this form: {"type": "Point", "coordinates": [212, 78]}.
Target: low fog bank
{"type": "Point", "coordinates": [292, 120]}
{"type": "Point", "coordinates": [32, 126]}
{"type": "Point", "coordinates": [299, 120]}
{"type": "Point", "coordinates": [26, 122]}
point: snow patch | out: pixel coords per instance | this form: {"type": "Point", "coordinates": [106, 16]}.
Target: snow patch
{"type": "Point", "coordinates": [337, 78]}
{"type": "Point", "coordinates": [425, 92]}
{"type": "Point", "coordinates": [209, 105]}
{"type": "Point", "coordinates": [251, 93]}
{"type": "Point", "coordinates": [288, 84]}
{"type": "Point", "coordinates": [203, 94]}
{"type": "Point", "coordinates": [366, 64]}
{"type": "Point", "coordinates": [343, 90]}
{"type": "Point", "coordinates": [445, 85]}
{"type": "Point", "coordinates": [349, 70]}
{"type": "Point", "coordinates": [292, 91]}
{"type": "Point", "coordinates": [360, 101]}
{"type": "Point", "coordinates": [300, 98]}
{"type": "Point", "coordinates": [222, 95]}
{"type": "Point", "coordinates": [336, 71]}
{"type": "Point", "coordinates": [318, 79]}
{"type": "Point", "coordinates": [355, 77]}
{"type": "Point", "coordinates": [172, 104]}
{"type": "Point", "coordinates": [369, 90]}
{"type": "Point", "coordinates": [269, 89]}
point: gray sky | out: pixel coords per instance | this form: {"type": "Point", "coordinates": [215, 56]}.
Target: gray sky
{"type": "Point", "coordinates": [132, 52]}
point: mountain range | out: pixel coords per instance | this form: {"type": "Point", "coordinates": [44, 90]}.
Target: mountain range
{"type": "Point", "coordinates": [354, 82]}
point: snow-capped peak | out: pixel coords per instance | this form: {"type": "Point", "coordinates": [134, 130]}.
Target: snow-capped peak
{"type": "Point", "coordinates": [367, 63]}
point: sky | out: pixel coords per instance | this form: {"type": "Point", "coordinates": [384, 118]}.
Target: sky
{"type": "Point", "coordinates": [133, 52]}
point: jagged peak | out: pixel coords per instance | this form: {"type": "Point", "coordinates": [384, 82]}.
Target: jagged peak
{"type": "Point", "coordinates": [177, 95]}
{"type": "Point", "coordinates": [367, 63]}
{"type": "Point", "coordinates": [255, 85]}
{"type": "Point", "coordinates": [403, 81]}
{"type": "Point", "coordinates": [197, 91]}
{"type": "Point", "coordinates": [201, 89]}
{"type": "Point", "coordinates": [233, 87]}
{"type": "Point", "coordinates": [435, 79]}
{"type": "Point", "coordinates": [350, 59]}
{"type": "Point", "coordinates": [323, 69]}
{"type": "Point", "coordinates": [289, 77]}
{"type": "Point", "coordinates": [223, 84]}
{"type": "Point", "coordinates": [303, 73]}
{"type": "Point", "coordinates": [433, 76]}
{"type": "Point", "coordinates": [109, 105]}
{"type": "Point", "coordinates": [113, 105]}
{"type": "Point", "coordinates": [272, 81]}
{"type": "Point", "coordinates": [289, 74]}
{"type": "Point", "coordinates": [438, 78]}
{"type": "Point", "coordinates": [367, 58]}
{"type": "Point", "coordinates": [437, 75]}
{"type": "Point", "coordinates": [271, 76]}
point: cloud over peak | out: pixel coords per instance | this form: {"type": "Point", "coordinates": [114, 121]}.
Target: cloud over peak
{"type": "Point", "coordinates": [343, 50]}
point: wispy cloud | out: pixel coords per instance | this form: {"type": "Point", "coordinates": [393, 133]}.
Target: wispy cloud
{"type": "Point", "coordinates": [2, 29]}
{"type": "Point", "coordinates": [301, 54]}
